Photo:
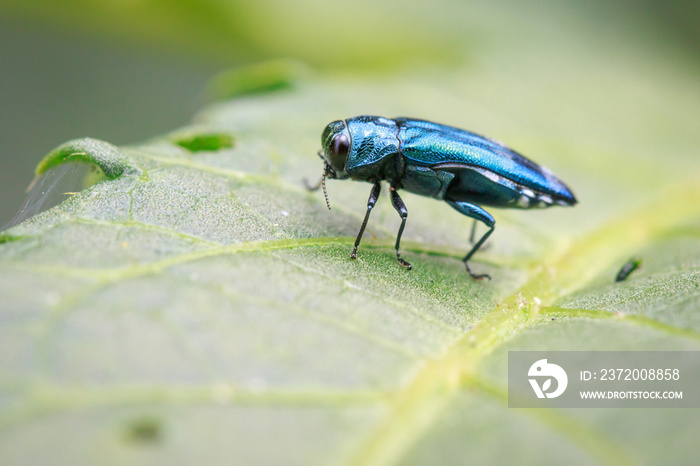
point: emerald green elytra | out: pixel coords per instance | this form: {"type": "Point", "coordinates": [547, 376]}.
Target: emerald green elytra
{"type": "Point", "coordinates": [464, 169]}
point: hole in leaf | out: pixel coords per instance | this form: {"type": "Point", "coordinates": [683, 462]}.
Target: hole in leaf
{"type": "Point", "coordinates": [145, 430]}
{"type": "Point", "coordinates": [70, 168]}
{"type": "Point", "coordinates": [55, 186]}
{"type": "Point", "coordinates": [206, 142]}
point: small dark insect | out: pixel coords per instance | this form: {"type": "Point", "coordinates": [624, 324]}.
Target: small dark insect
{"type": "Point", "coordinates": [629, 267]}
{"type": "Point", "coordinates": [449, 164]}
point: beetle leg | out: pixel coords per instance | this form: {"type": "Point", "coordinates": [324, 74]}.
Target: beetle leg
{"type": "Point", "coordinates": [403, 212]}
{"type": "Point", "coordinates": [321, 183]}
{"type": "Point", "coordinates": [477, 213]}
{"type": "Point", "coordinates": [312, 187]}
{"type": "Point", "coordinates": [471, 236]}
{"type": "Point", "coordinates": [373, 196]}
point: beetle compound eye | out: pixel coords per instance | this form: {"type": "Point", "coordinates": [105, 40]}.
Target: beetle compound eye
{"type": "Point", "coordinates": [340, 146]}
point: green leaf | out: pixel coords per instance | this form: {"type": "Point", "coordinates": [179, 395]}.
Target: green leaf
{"type": "Point", "coordinates": [200, 304]}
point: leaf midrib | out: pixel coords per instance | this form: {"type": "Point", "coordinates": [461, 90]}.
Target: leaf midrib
{"type": "Point", "coordinates": [417, 405]}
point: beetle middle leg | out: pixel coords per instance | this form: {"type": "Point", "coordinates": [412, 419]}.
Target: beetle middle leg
{"type": "Point", "coordinates": [373, 196]}
{"type": "Point", "coordinates": [400, 207]}
{"type": "Point", "coordinates": [477, 213]}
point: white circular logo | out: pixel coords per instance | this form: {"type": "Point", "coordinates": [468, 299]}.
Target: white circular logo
{"type": "Point", "coordinates": [541, 369]}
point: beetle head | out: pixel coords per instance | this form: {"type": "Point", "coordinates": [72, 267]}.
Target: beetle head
{"type": "Point", "coordinates": [335, 146]}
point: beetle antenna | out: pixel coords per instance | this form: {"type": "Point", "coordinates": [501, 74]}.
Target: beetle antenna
{"type": "Point", "coordinates": [323, 184]}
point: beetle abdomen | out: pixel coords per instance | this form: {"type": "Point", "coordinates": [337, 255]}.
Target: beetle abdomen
{"type": "Point", "coordinates": [442, 147]}
{"type": "Point", "coordinates": [481, 186]}
{"type": "Point", "coordinates": [425, 181]}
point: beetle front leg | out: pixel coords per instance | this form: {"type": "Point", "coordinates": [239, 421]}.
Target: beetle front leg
{"type": "Point", "coordinates": [373, 196]}
{"type": "Point", "coordinates": [477, 213]}
{"type": "Point", "coordinates": [312, 187]}
{"type": "Point", "coordinates": [403, 212]}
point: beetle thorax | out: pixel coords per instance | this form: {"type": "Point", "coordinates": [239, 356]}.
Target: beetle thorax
{"type": "Point", "coordinates": [375, 149]}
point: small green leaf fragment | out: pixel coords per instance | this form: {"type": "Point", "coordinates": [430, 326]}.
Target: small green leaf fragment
{"type": "Point", "coordinates": [87, 150]}
{"type": "Point", "coordinates": [144, 430]}
{"type": "Point", "coordinates": [259, 78]}
{"type": "Point", "coordinates": [5, 238]}
{"type": "Point", "coordinates": [206, 142]}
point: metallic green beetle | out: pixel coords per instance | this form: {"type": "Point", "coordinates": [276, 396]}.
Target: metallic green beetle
{"type": "Point", "coordinates": [459, 167]}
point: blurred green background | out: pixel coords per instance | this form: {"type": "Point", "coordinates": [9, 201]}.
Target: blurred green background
{"type": "Point", "coordinates": [123, 71]}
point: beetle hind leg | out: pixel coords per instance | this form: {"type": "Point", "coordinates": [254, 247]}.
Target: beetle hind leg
{"type": "Point", "coordinates": [400, 207]}
{"type": "Point", "coordinates": [477, 213]}
{"type": "Point", "coordinates": [473, 233]}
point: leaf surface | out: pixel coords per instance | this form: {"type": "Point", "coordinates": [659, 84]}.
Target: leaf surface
{"type": "Point", "coordinates": [197, 303]}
